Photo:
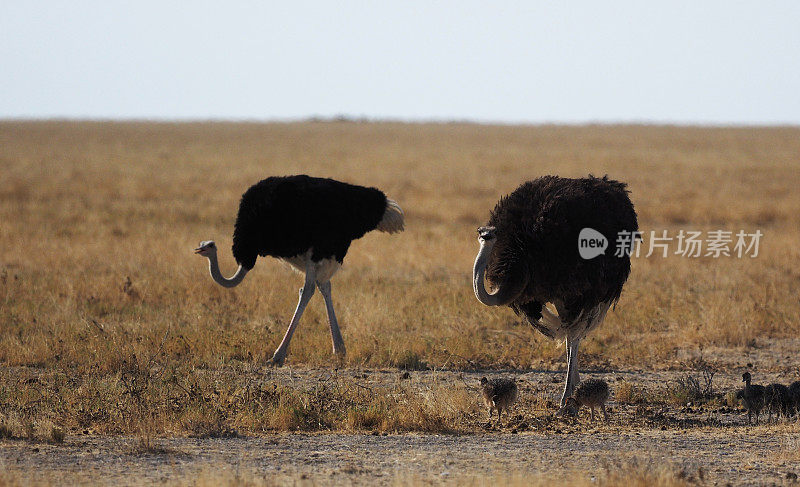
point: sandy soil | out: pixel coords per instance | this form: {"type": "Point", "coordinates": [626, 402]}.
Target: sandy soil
{"type": "Point", "coordinates": [740, 456]}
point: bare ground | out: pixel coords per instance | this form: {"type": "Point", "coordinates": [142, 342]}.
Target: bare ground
{"type": "Point", "coordinates": [737, 455]}
{"type": "Point", "coordinates": [708, 443]}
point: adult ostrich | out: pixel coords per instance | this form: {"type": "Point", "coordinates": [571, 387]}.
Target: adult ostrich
{"type": "Point", "coordinates": [309, 223]}
{"type": "Point", "coordinates": [529, 253]}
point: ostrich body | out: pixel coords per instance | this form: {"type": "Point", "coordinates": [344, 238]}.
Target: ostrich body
{"type": "Point", "coordinates": [309, 223]}
{"type": "Point", "coordinates": [754, 397]}
{"type": "Point", "coordinates": [529, 253]}
{"type": "Point", "coordinates": [592, 393]}
{"type": "Point", "coordinates": [498, 395]}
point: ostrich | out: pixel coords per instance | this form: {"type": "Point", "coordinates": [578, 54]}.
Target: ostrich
{"type": "Point", "coordinates": [529, 253]}
{"type": "Point", "coordinates": [592, 393]}
{"type": "Point", "coordinates": [754, 397]}
{"type": "Point", "coordinates": [308, 222]}
{"type": "Point", "coordinates": [498, 394]}
{"type": "Point", "coordinates": [776, 400]}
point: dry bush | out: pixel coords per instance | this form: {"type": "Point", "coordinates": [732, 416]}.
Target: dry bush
{"type": "Point", "coordinates": [731, 400]}
{"type": "Point", "coordinates": [629, 393]}
{"type": "Point", "coordinates": [690, 389]}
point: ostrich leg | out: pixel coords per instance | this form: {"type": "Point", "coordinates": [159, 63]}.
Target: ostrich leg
{"type": "Point", "coordinates": [305, 295]}
{"type": "Point", "coordinates": [336, 335]}
{"type": "Point", "coordinates": [572, 368]}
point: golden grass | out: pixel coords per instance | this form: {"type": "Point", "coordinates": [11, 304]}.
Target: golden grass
{"type": "Point", "coordinates": [98, 282]}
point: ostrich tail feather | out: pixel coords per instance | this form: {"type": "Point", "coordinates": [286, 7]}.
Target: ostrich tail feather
{"type": "Point", "coordinates": [392, 221]}
{"type": "Point", "coordinates": [551, 320]}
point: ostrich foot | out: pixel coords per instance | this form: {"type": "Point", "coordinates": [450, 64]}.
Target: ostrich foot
{"type": "Point", "coordinates": [277, 360]}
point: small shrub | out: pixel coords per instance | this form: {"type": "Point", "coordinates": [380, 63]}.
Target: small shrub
{"type": "Point", "coordinates": [6, 432]}
{"type": "Point", "coordinates": [689, 389]}
{"type": "Point", "coordinates": [57, 435]}
{"type": "Point", "coordinates": [731, 400]}
{"type": "Point", "coordinates": [630, 394]}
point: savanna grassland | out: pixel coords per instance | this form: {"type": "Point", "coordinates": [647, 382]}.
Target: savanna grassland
{"type": "Point", "coordinates": [110, 325]}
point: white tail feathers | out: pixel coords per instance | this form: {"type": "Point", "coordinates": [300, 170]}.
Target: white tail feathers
{"type": "Point", "coordinates": [392, 221]}
{"type": "Point", "coordinates": [551, 320]}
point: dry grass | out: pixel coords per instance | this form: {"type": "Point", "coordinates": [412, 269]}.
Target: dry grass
{"type": "Point", "coordinates": [99, 290]}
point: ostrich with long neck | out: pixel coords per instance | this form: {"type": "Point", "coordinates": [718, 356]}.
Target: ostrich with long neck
{"type": "Point", "coordinates": [529, 253]}
{"type": "Point", "coordinates": [309, 223]}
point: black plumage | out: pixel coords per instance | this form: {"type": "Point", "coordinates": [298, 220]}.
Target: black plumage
{"type": "Point", "coordinates": [309, 223]}
{"type": "Point", "coordinates": [286, 216]}
{"type": "Point", "coordinates": [537, 237]}
{"type": "Point", "coordinates": [530, 255]}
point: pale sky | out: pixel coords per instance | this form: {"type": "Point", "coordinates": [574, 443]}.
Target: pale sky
{"type": "Point", "coordinates": [721, 62]}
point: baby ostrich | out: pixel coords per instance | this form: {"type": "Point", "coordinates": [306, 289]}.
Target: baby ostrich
{"type": "Point", "coordinates": [776, 400]}
{"type": "Point", "coordinates": [591, 393]}
{"type": "Point", "coordinates": [753, 396]}
{"type": "Point", "coordinates": [498, 394]}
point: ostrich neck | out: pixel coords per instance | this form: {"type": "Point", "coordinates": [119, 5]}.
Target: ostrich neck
{"type": "Point", "coordinates": [499, 297]}
{"type": "Point", "coordinates": [213, 266]}
{"type": "Point", "coordinates": [506, 292]}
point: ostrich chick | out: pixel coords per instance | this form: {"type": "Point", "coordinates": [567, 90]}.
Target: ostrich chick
{"type": "Point", "coordinates": [776, 400]}
{"type": "Point", "coordinates": [591, 393]}
{"type": "Point", "coordinates": [498, 394]}
{"type": "Point", "coordinates": [753, 396]}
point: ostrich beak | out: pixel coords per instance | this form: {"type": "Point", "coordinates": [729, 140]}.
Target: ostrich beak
{"type": "Point", "coordinates": [198, 250]}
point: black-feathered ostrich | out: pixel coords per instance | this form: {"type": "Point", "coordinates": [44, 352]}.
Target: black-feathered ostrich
{"type": "Point", "coordinates": [529, 253]}
{"type": "Point", "coordinates": [309, 223]}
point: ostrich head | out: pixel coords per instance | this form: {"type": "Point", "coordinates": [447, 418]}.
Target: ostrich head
{"type": "Point", "coordinates": [506, 291]}
{"type": "Point", "coordinates": [746, 377]}
{"type": "Point", "coordinates": [207, 248]}
{"type": "Point", "coordinates": [486, 235]}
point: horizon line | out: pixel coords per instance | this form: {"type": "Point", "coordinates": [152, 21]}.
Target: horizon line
{"type": "Point", "coordinates": [409, 121]}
